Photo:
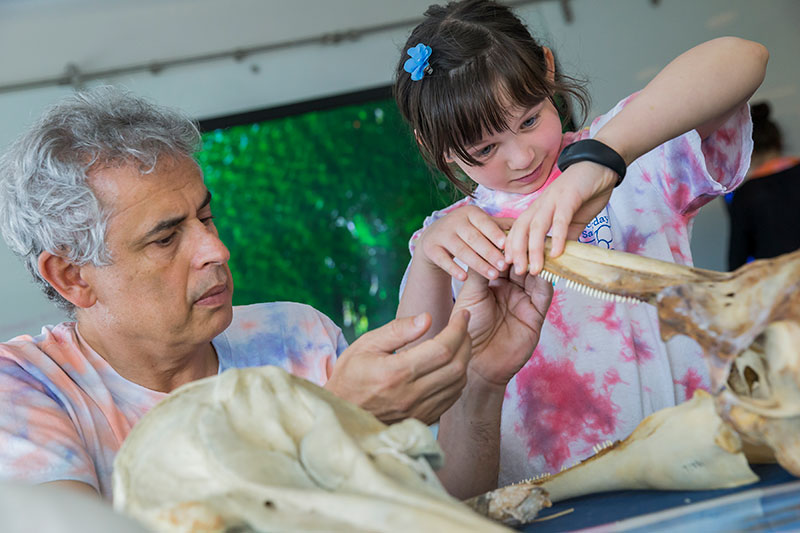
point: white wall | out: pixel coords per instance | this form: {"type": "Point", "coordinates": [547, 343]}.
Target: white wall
{"type": "Point", "coordinates": [617, 44]}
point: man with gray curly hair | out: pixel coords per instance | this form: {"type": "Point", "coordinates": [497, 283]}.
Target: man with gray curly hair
{"type": "Point", "coordinates": [104, 202]}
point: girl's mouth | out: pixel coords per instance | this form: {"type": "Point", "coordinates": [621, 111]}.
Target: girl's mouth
{"type": "Point", "coordinates": [530, 178]}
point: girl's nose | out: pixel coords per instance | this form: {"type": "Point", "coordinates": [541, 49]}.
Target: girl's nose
{"type": "Point", "coordinates": [521, 154]}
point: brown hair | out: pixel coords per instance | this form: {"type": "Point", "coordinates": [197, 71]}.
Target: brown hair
{"type": "Point", "coordinates": [483, 58]}
{"type": "Point", "coordinates": [766, 134]}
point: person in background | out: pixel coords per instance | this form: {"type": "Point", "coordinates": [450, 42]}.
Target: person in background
{"type": "Point", "coordinates": [765, 211]}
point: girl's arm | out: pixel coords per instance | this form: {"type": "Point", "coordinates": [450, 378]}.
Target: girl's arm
{"type": "Point", "coordinates": [428, 288]}
{"type": "Point", "coordinates": [700, 90]}
{"type": "Point", "coordinates": [467, 233]}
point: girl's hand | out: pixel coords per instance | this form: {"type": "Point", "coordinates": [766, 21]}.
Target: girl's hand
{"type": "Point", "coordinates": [564, 209]}
{"type": "Point", "coordinates": [472, 236]}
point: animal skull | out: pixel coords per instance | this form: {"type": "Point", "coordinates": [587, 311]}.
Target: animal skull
{"type": "Point", "coordinates": [259, 450]}
{"type": "Point", "coordinates": [747, 323]}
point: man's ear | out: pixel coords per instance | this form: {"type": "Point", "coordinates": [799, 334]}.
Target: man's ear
{"type": "Point", "coordinates": [65, 277]}
{"type": "Point", "coordinates": [550, 63]}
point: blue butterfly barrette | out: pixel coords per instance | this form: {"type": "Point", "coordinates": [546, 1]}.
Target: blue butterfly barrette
{"type": "Point", "coordinates": [418, 64]}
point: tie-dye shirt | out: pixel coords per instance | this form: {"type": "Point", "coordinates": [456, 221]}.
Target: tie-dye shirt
{"type": "Point", "coordinates": [66, 411]}
{"type": "Point", "coordinates": [601, 367]}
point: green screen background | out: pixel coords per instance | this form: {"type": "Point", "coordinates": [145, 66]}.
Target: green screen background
{"type": "Point", "coordinates": [318, 208]}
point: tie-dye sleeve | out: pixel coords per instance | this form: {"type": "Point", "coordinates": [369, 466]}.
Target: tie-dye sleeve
{"type": "Point", "coordinates": [293, 336]}
{"type": "Point", "coordinates": [38, 441]}
{"type": "Point", "coordinates": [690, 171]}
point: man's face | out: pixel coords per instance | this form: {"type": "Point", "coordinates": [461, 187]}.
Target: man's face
{"type": "Point", "coordinates": [169, 281]}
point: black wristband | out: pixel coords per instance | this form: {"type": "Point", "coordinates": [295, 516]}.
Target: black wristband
{"type": "Point", "coordinates": [594, 151]}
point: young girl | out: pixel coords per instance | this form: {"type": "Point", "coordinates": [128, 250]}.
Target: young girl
{"type": "Point", "coordinates": [483, 98]}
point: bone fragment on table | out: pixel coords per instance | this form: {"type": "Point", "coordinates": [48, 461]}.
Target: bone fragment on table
{"type": "Point", "coordinates": [513, 505]}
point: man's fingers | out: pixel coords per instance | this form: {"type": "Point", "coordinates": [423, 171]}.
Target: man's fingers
{"type": "Point", "coordinates": [540, 292]}
{"type": "Point", "coordinates": [451, 343]}
{"type": "Point", "coordinates": [472, 284]}
{"type": "Point", "coordinates": [395, 334]}
{"type": "Point", "coordinates": [440, 400]}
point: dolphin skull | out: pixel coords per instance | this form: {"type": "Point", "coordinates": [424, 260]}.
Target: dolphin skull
{"type": "Point", "coordinates": [260, 450]}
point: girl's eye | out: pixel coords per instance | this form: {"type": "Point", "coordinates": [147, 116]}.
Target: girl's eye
{"type": "Point", "coordinates": [485, 151]}
{"type": "Point", "coordinates": [530, 122]}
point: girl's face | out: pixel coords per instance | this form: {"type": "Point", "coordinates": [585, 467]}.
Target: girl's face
{"type": "Point", "coordinates": [520, 159]}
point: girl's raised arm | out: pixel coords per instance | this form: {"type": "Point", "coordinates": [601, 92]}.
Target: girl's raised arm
{"type": "Point", "coordinates": [699, 89]}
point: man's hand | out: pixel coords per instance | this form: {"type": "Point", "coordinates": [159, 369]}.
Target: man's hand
{"type": "Point", "coordinates": [506, 319]}
{"type": "Point", "coordinates": [421, 382]}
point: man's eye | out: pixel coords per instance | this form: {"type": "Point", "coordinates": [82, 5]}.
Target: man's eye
{"type": "Point", "coordinates": [207, 220]}
{"type": "Point", "coordinates": [166, 241]}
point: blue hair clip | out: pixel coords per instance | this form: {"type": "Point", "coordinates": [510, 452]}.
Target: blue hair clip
{"type": "Point", "coordinates": [418, 65]}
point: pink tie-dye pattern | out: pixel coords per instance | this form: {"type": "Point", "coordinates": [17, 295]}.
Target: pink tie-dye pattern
{"type": "Point", "coordinates": [643, 351]}
{"type": "Point", "coordinates": [637, 350]}
{"type": "Point", "coordinates": [635, 241]}
{"type": "Point", "coordinates": [555, 317]}
{"type": "Point", "coordinates": [691, 381]}
{"type": "Point", "coordinates": [610, 379]}
{"type": "Point", "coordinates": [561, 407]}
{"type": "Point", "coordinates": [610, 318]}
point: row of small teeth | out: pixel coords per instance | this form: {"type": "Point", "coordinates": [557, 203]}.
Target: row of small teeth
{"type": "Point", "coordinates": [594, 293]}
{"type": "Point", "coordinates": [597, 448]}
{"type": "Point", "coordinates": [535, 479]}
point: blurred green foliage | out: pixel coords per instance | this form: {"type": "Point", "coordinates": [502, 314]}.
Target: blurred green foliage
{"type": "Point", "coordinates": [318, 208]}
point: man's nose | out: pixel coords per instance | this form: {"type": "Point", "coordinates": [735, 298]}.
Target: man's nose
{"type": "Point", "coordinates": [210, 249]}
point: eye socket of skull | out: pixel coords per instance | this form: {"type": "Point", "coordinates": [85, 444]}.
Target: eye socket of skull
{"type": "Point", "coordinates": [748, 375]}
